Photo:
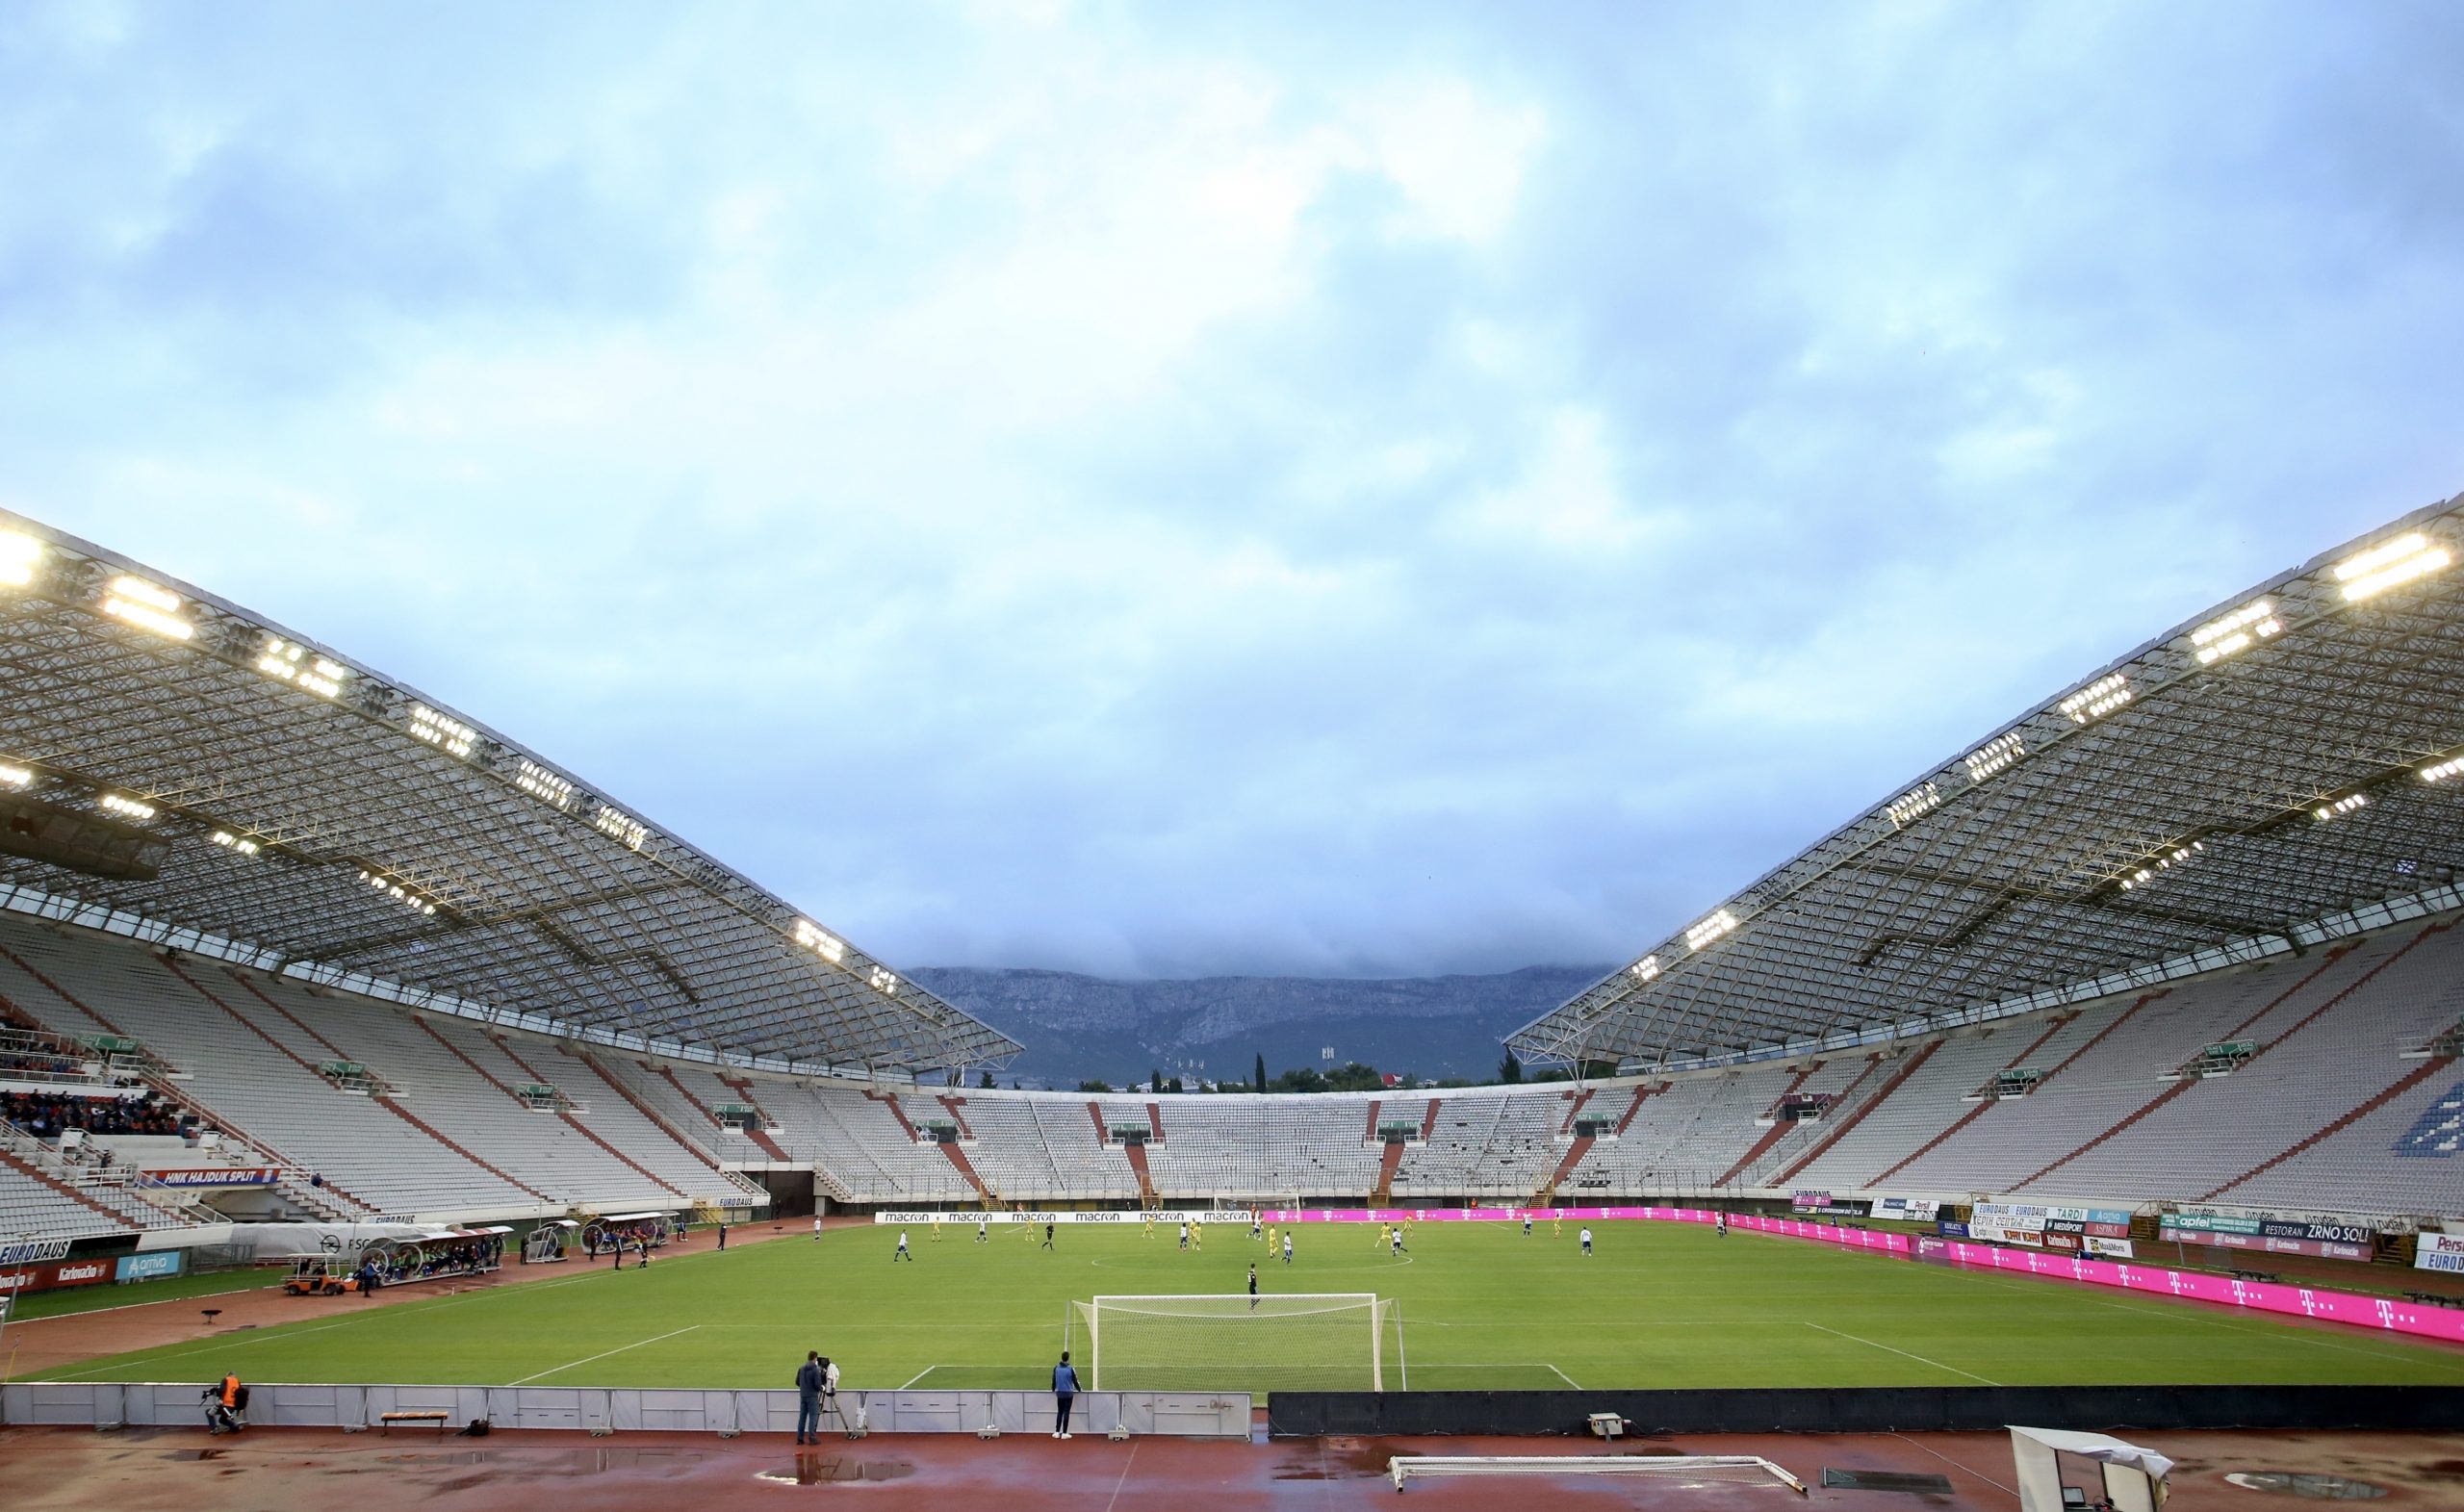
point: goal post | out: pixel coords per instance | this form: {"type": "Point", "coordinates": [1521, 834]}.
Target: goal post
{"type": "Point", "coordinates": [1310, 1341]}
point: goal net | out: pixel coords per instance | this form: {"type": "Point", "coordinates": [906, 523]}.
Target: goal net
{"type": "Point", "coordinates": [1324, 1341]}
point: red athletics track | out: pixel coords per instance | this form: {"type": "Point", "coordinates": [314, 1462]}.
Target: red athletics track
{"type": "Point", "coordinates": [164, 1469]}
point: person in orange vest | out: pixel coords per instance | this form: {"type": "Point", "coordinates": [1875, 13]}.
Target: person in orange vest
{"type": "Point", "coordinates": [224, 1405]}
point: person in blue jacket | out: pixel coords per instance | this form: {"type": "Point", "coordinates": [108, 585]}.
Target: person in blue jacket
{"type": "Point", "coordinates": [1064, 1390]}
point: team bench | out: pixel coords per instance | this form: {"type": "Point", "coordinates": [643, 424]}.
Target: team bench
{"type": "Point", "coordinates": [2434, 1299]}
{"type": "Point", "coordinates": [2270, 1277]}
{"type": "Point", "coordinates": [385, 1421]}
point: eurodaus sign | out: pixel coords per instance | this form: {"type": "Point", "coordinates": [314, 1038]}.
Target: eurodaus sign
{"type": "Point", "coordinates": [2440, 1252]}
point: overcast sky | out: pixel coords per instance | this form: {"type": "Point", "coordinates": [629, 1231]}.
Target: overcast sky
{"type": "Point", "coordinates": [1168, 489]}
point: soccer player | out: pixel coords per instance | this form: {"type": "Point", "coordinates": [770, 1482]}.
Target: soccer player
{"type": "Point", "coordinates": [1526, 1223]}
{"type": "Point", "coordinates": [1064, 1390]}
{"type": "Point", "coordinates": [1287, 1247]}
{"type": "Point", "coordinates": [1185, 1234]}
{"type": "Point", "coordinates": [1720, 1225]}
{"type": "Point", "coordinates": [983, 1231]}
{"type": "Point", "coordinates": [1398, 1249]}
{"type": "Point", "coordinates": [1198, 1237]}
{"type": "Point", "coordinates": [1146, 1226]}
{"type": "Point", "coordinates": [1253, 1222]}
{"type": "Point", "coordinates": [901, 1252]}
{"type": "Point", "coordinates": [1047, 1243]}
{"type": "Point", "coordinates": [1586, 1239]}
{"type": "Point", "coordinates": [1253, 1286]}
{"type": "Point", "coordinates": [816, 1226]}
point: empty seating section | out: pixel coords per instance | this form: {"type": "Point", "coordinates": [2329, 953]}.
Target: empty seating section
{"type": "Point", "coordinates": [1928, 1102]}
{"type": "Point", "coordinates": [2312, 1121]}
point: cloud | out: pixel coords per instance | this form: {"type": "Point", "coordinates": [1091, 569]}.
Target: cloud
{"type": "Point", "coordinates": [1376, 492]}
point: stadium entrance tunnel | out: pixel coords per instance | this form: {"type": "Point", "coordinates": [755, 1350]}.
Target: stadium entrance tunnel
{"type": "Point", "coordinates": [1895, 1409]}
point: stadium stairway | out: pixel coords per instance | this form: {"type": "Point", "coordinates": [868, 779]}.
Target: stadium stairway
{"type": "Point", "coordinates": [742, 1087]}
{"type": "Point", "coordinates": [2434, 1066]}
{"type": "Point", "coordinates": [1388, 1161]}
{"type": "Point", "coordinates": [1137, 1154]}
{"type": "Point", "coordinates": [2053, 1026]}
{"type": "Point", "coordinates": [664, 1124]}
{"type": "Point", "coordinates": [1857, 1115]}
{"type": "Point", "coordinates": [506, 1047]}
{"type": "Point", "coordinates": [1566, 1163]}
{"type": "Point", "coordinates": [1780, 1130]}
{"type": "Point", "coordinates": [2183, 1084]}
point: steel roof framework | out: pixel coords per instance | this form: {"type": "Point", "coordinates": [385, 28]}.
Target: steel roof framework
{"type": "Point", "coordinates": [1963, 891]}
{"type": "Point", "coordinates": [549, 900]}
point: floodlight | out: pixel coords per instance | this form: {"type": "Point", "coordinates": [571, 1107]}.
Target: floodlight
{"type": "Point", "coordinates": [829, 947]}
{"type": "Point", "coordinates": [447, 733]}
{"type": "Point", "coordinates": [143, 604]}
{"type": "Point", "coordinates": [287, 662]}
{"type": "Point", "coordinates": [12, 775]}
{"type": "Point", "coordinates": [19, 556]}
{"type": "Point", "coordinates": [1645, 970]}
{"type": "Point", "coordinates": [624, 827]}
{"type": "Point", "coordinates": [2169, 860]}
{"type": "Point", "coordinates": [133, 808]}
{"type": "Point", "coordinates": [2408, 556]}
{"type": "Point", "coordinates": [1997, 755]}
{"type": "Point", "coordinates": [2236, 633]}
{"type": "Point", "coordinates": [1909, 804]}
{"type": "Point", "coordinates": [409, 897]}
{"type": "Point", "coordinates": [235, 842]}
{"type": "Point", "coordinates": [2341, 806]}
{"type": "Point", "coordinates": [543, 784]}
{"type": "Point", "coordinates": [2441, 771]}
{"type": "Point", "coordinates": [1709, 929]}
{"type": "Point", "coordinates": [2097, 699]}
{"type": "Point", "coordinates": [884, 983]}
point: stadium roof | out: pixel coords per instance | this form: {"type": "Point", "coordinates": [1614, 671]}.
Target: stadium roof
{"type": "Point", "coordinates": [2269, 775]}
{"type": "Point", "coordinates": [175, 767]}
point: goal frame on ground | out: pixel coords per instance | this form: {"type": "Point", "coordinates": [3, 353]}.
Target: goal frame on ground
{"type": "Point", "coordinates": [1380, 1311]}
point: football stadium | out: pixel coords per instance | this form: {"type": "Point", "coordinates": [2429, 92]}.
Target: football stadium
{"type": "Point", "coordinates": [2099, 1082]}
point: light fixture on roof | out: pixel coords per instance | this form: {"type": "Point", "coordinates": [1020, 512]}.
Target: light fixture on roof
{"type": "Point", "coordinates": [2231, 635]}
{"type": "Point", "coordinates": [2441, 771]}
{"type": "Point", "coordinates": [2097, 699]}
{"type": "Point", "coordinates": [622, 826]}
{"type": "Point", "coordinates": [12, 775]}
{"type": "Point", "coordinates": [2382, 567]}
{"type": "Point", "coordinates": [2341, 806]}
{"type": "Point", "coordinates": [543, 784]}
{"type": "Point", "coordinates": [410, 897]}
{"type": "Point", "coordinates": [813, 937]}
{"type": "Point", "coordinates": [1645, 970]}
{"type": "Point", "coordinates": [1908, 805]}
{"type": "Point", "coordinates": [128, 807]}
{"type": "Point", "coordinates": [1709, 929]}
{"type": "Point", "coordinates": [19, 556]}
{"type": "Point", "coordinates": [141, 603]}
{"type": "Point", "coordinates": [235, 842]}
{"type": "Point", "coordinates": [885, 982]}
{"type": "Point", "coordinates": [443, 732]}
{"type": "Point", "coordinates": [2176, 856]}
{"type": "Point", "coordinates": [285, 661]}
{"type": "Point", "coordinates": [1997, 755]}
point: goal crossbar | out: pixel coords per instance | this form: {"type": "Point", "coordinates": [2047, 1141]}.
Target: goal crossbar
{"type": "Point", "coordinates": [1225, 1341]}
{"type": "Point", "coordinates": [1751, 1469]}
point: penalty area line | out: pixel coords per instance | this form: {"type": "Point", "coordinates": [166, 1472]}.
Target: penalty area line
{"type": "Point", "coordinates": [1918, 1358]}
{"type": "Point", "coordinates": [559, 1370]}
{"type": "Point", "coordinates": [919, 1376]}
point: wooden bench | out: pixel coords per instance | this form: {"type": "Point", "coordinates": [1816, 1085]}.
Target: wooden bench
{"type": "Point", "coordinates": [385, 1421]}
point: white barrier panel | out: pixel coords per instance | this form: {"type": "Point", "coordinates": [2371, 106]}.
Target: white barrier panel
{"type": "Point", "coordinates": [108, 1404]}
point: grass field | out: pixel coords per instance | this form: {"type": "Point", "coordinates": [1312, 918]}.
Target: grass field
{"type": "Point", "coordinates": [1659, 1305]}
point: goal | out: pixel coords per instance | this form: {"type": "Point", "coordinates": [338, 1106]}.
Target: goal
{"type": "Point", "coordinates": [1319, 1341]}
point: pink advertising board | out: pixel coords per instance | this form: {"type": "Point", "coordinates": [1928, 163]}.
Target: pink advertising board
{"type": "Point", "coordinates": [2294, 1301]}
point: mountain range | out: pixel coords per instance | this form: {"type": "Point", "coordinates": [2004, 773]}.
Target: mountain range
{"type": "Point", "coordinates": [1078, 1027]}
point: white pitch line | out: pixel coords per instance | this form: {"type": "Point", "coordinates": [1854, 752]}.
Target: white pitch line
{"type": "Point", "coordinates": [1918, 1358]}
{"type": "Point", "coordinates": [919, 1376]}
{"type": "Point", "coordinates": [602, 1355]}
{"type": "Point", "coordinates": [1563, 1377]}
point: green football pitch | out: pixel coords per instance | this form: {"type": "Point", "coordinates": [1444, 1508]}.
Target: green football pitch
{"type": "Point", "coordinates": [1481, 1307]}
